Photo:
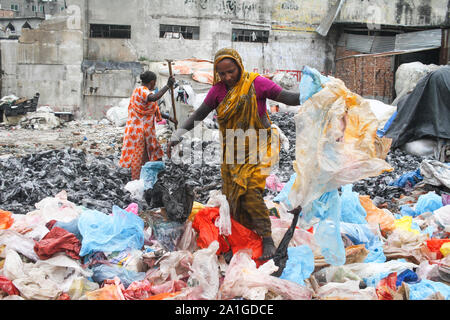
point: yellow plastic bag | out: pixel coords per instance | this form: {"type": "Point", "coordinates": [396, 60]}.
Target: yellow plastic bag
{"type": "Point", "coordinates": [445, 249]}
{"type": "Point", "coordinates": [196, 207]}
{"type": "Point", "coordinates": [336, 143]}
{"type": "Point", "coordinates": [405, 223]}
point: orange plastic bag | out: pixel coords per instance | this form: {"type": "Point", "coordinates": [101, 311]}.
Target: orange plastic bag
{"type": "Point", "coordinates": [108, 292]}
{"type": "Point", "coordinates": [435, 246]}
{"type": "Point", "coordinates": [163, 296]}
{"type": "Point", "coordinates": [376, 215]}
{"type": "Point", "coordinates": [240, 238]}
{"type": "Point", "coordinates": [6, 220]}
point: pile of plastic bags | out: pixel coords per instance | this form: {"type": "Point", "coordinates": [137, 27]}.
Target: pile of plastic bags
{"type": "Point", "coordinates": [341, 245]}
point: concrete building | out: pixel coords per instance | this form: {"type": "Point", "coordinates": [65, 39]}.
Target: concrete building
{"type": "Point", "coordinates": [18, 14]}
{"type": "Point", "coordinates": [87, 58]}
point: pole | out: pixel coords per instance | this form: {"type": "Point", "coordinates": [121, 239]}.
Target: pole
{"type": "Point", "coordinates": [172, 93]}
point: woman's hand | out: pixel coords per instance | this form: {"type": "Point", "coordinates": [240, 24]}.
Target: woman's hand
{"type": "Point", "coordinates": [171, 81]}
{"type": "Point", "coordinates": [175, 121]}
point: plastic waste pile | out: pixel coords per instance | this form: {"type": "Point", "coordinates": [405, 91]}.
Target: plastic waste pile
{"type": "Point", "coordinates": [167, 238]}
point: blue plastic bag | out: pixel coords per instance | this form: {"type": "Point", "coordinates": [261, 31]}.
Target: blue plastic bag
{"type": "Point", "coordinates": [361, 234]}
{"type": "Point", "coordinates": [310, 83]}
{"type": "Point", "coordinates": [284, 193]}
{"type": "Point", "coordinates": [428, 203]}
{"type": "Point", "coordinates": [300, 264]}
{"type": "Point", "coordinates": [104, 272]}
{"type": "Point", "coordinates": [407, 276]}
{"type": "Point", "coordinates": [410, 178]}
{"type": "Point", "coordinates": [149, 173]}
{"type": "Point", "coordinates": [382, 132]}
{"type": "Point", "coordinates": [407, 211]}
{"type": "Point", "coordinates": [109, 233]}
{"type": "Point", "coordinates": [425, 288]}
{"type": "Point", "coordinates": [352, 210]}
{"type": "Point", "coordinates": [71, 227]}
{"type": "Point", "coordinates": [327, 234]}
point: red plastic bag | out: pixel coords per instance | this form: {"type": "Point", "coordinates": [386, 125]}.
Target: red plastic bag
{"type": "Point", "coordinates": [138, 290]}
{"type": "Point", "coordinates": [58, 240]}
{"type": "Point", "coordinates": [8, 287]}
{"type": "Point", "coordinates": [435, 245]}
{"type": "Point", "coordinates": [240, 238]}
{"type": "Point", "coordinates": [387, 287]}
{"type": "Point", "coordinates": [6, 220]}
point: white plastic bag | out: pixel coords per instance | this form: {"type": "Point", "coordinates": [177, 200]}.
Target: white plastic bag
{"type": "Point", "coordinates": [136, 188]}
{"type": "Point", "coordinates": [223, 222]}
{"type": "Point", "coordinates": [18, 242]}
{"type": "Point", "coordinates": [205, 271]}
{"type": "Point", "coordinates": [348, 290]}
{"type": "Point", "coordinates": [243, 279]}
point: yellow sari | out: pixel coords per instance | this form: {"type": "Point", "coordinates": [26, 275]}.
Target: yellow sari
{"type": "Point", "coordinates": [246, 163]}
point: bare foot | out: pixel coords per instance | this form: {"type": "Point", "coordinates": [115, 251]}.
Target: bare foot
{"type": "Point", "coordinates": [268, 249]}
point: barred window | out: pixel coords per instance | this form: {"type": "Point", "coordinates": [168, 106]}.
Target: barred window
{"type": "Point", "coordinates": [110, 31]}
{"type": "Point", "coordinates": [246, 35]}
{"type": "Point", "coordinates": [169, 31]}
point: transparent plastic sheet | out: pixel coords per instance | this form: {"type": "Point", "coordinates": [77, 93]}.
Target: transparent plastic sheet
{"type": "Point", "coordinates": [205, 271]}
{"type": "Point", "coordinates": [348, 290]}
{"type": "Point", "coordinates": [283, 196]}
{"type": "Point", "coordinates": [244, 279]}
{"type": "Point", "coordinates": [188, 240]}
{"type": "Point", "coordinates": [442, 217]}
{"type": "Point", "coordinates": [109, 233]}
{"type": "Point", "coordinates": [335, 146]}
{"type": "Point", "coordinates": [217, 199]}
{"type": "Point", "coordinates": [428, 203]}
{"type": "Point", "coordinates": [300, 264]}
{"type": "Point", "coordinates": [352, 210]}
{"type": "Point", "coordinates": [167, 233]}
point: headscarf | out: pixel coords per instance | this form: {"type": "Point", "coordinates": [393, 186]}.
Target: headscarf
{"type": "Point", "coordinates": [223, 54]}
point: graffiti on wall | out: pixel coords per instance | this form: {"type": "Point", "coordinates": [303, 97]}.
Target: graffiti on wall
{"type": "Point", "coordinates": [227, 7]}
{"type": "Point", "coordinates": [299, 11]}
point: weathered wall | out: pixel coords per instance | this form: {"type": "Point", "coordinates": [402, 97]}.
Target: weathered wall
{"type": "Point", "coordinates": [46, 60]}
{"type": "Point", "coordinates": [292, 42]}
{"type": "Point", "coordinates": [398, 12]}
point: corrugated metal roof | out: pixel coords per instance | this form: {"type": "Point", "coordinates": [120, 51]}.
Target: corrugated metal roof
{"type": "Point", "coordinates": [383, 44]}
{"type": "Point", "coordinates": [418, 40]}
{"type": "Point", "coordinates": [360, 43]}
